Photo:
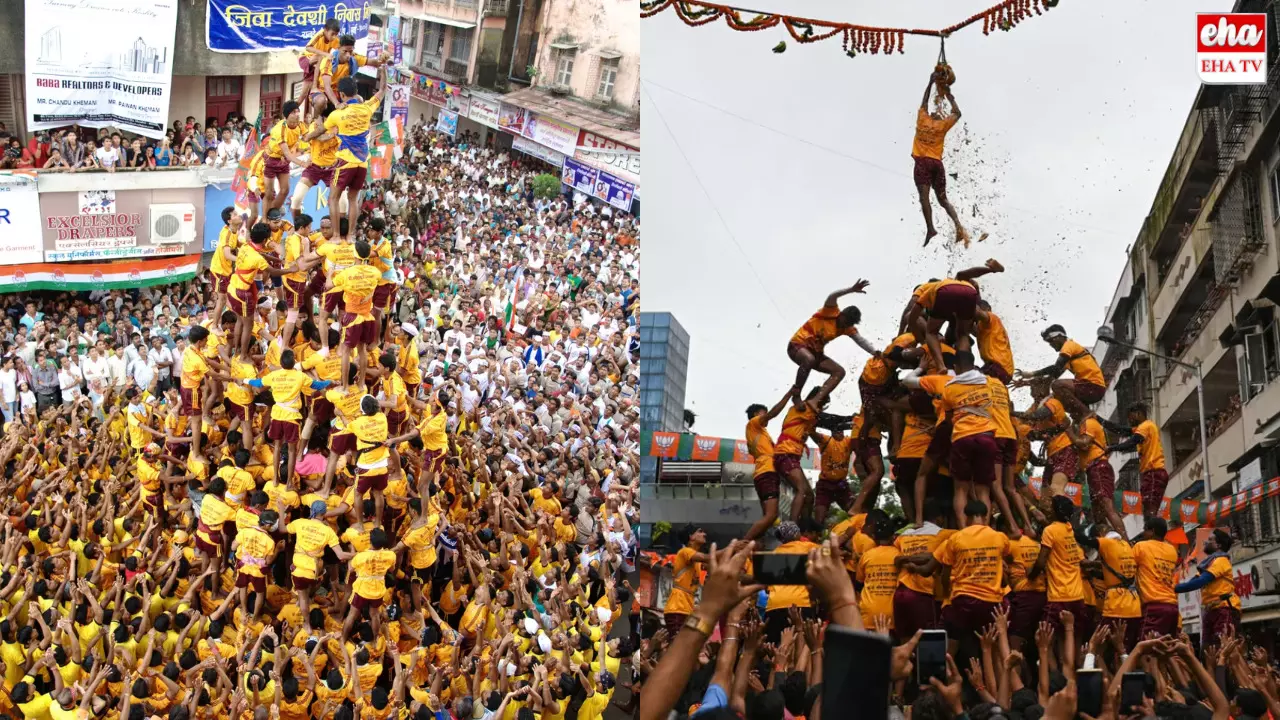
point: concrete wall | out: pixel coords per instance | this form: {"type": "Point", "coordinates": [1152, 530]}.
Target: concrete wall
{"type": "Point", "coordinates": [595, 25]}
{"type": "Point", "coordinates": [187, 98]}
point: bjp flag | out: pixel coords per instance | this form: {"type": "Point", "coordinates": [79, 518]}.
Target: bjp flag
{"type": "Point", "coordinates": [1273, 487]}
{"type": "Point", "coordinates": [1164, 508]}
{"type": "Point", "coordinates": [705, 449]}
{"type": "Point", "coordinates": [1255, 494]}
{"type": "Point", "coordinates": [1132, 503]}
{"type": "Point", "coordinates": [1072, 490]}
{"type": "Point", "coordinates": [1189, 510]}
{"type": "Point", "coordinates": [1036, 484]}
{"type": "Point", "coordinates": [1211, 512]}
{"type": "Point", "coordinates": [741, 454]}
{"type": "Point", "coordinates": [665, 445]}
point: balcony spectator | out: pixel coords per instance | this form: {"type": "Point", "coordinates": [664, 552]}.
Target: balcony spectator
{"type": "Point", "coordinates": [107, 157]}
{"type": "Point", "coordinates": [229, 150]}
{"type": "Point", "coordinates": [56, 161]}
{"type": "Point", "coordinates": [39, 146]}
{"type": "Point", "coordinates": [164, 155]}
{"type": "Point", "coordinates": [211, 157]}
{"type": "Point", "coordinates": [190, 156]}
{"type": "Point", "coordinates": [136, 155]}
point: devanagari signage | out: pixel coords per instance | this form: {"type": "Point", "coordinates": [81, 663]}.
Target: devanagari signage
{"type": "Point", "coordinates": [263, 25]}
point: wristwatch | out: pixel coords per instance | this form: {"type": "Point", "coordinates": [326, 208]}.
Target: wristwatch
{"type": "Point", "coordinates": [693, 622]}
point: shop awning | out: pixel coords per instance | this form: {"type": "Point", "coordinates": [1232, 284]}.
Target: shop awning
{"type": "Point", "coordinates": [443, 21]}
{"type": "Point", "coordinates": [615, 126]}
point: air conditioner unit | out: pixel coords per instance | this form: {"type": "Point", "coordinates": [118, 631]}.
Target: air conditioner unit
{"type": "Point", "coordinates": [173, 223]}
{"type": "Point", "coordinates": [1266, 577]}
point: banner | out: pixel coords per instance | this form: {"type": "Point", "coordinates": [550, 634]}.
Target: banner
{"type": "Point", "coordinates": [742, 453]}
{"type": "Point", "coordinates": [100, 64]}
{"type": "Point", "coordinates": [542, 152]}
{"type": "Point", "coordinates": [626, 167]}
{"type": "Point", "coordinates": [260, 25]}
{"type": "Point", "coordinates": [20, 240]}
{"type": "Point", "coordinates": [1072, 490]}
{"type": "Point", "coordinates": [399, 102]}
{"type": "Point", "coordinates": [1132, 503]}
{"type": "Point", "coordinates": [614, 191]}
{"type": "Point", "coordinates": [393, 40]}
{"type": "Point", "coordinates": [579, 177]}
{"type": "Point", "coordinates": [665, 444]}
{"type": "Point", "coordinates": [706, 449]}
{"type": "Point", "coordinates": [561, 137]}
{"type": "Point", "coordinates": [104, 276]}
{"type": "Point", "coordinates": [485, 111]}
{"type": "Point", "coordinates": [458, 103]}
{"type": "Point", "coordinates": [447, 123]}
{"type": "Point", "coordinates": [511, 119]}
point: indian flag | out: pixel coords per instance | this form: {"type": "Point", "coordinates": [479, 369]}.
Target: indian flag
{"type": "Point", "coordinates": [98, 276]}
{"type": "Point", "coordinates": [509, 315]}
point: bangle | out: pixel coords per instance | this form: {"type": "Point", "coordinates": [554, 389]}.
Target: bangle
{"type": "Point", "coordinates": [831, 610]}
{"type": "Point", "coordinates": [728, 638]}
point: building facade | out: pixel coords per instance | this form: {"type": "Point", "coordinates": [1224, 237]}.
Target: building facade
{"type": "Point", "coordinates": [664, 366]}
{"type": "Point", "coordinates": [1200, 285]}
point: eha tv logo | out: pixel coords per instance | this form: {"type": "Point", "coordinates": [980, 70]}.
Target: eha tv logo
{"type": "Point", "coordinates": [1231, 48]}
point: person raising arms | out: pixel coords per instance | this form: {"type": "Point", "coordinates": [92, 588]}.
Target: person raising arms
{"type": "Point", "coordinates": [801, 419]}
{"type": "Point", "coordinates": [926, 151]}
{"type": "Point", "coordinates": [686, 577]}
{"type": "Point", "coordinates": [807, 345]}
{"type": "Point", "coordinates": [1143, 435]}
{"type": "Point", "coordinates": [950, 300]}
{"type": "Point", "coordinates": [349, 122]}
{"type": "Point", "coordinates": [765, 475]}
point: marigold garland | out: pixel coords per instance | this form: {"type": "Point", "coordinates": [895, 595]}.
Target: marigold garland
{"type": "Point", "coordinates": [854, 38]}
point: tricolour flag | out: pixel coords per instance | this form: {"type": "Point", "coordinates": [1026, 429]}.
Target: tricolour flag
{"type": "Point", "coordinates": [122, 274]}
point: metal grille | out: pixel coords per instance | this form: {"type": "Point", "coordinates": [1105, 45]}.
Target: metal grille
{"type": "Point", "coordinates": [1237, 229]}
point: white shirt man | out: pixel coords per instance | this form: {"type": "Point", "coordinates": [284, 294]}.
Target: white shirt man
{"type": "Point", "coordinates": [96, 372]}
{"type": "Point", "coordinates": [9, 386]}
{"type": "Point", "coordinates": [229, 150]}
{"type": "Point", "coordinates": [107, 155]}
{"type": "Point", "coordinates": [161, 359]}
{"type": "Point", "coordinates": [118, 369]}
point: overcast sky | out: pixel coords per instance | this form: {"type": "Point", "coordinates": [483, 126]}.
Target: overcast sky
{"type": "Point", "coordinates": [773, 179]}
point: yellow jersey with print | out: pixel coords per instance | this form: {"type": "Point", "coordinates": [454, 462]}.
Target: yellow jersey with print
{"type": "Point", "coordinates": [1119, 574]}
{"type": "Point", "coordinates": [227, 240]}
{"type": "Point", "coordinates": [249, 261]}
{"type": "Point", "coordinates": [312, 537]}
{"type": "Point", "coordinates": [1221, 590]}
{"type": "Point", "coordinates": [337, 69]}
{"type": "Point", "coordinates": [292, 252]}
{"type": "Point", "coordinates": [408, 362]}
{"type": "Point", "coordinates": [253, 547]}
{"type": "Point", "coordinates": [371, 433]}
{"type": "Point", "coordinates": [351, 124]}
{"type": "Point", "coordinates": [338, 255]}
{"type": "Point", "coordinates": [241, 371]}
{"type": "Point", "coordinates": [1081, 364]}
{"type": "Point", "coordinates": [284, 135]}
{"type": "Point", "coordinates": [324, 153]}
{"type": "Point", "coordinates": [357, 284]}
{"type": "Point", "coordinates": [371, 568]}
{"type": "Point", "coordinates": [194, 367]}
{"type": "Point", "coordinates": [433, 431]}
{"type": "Point", "coordinates": [286, 390]}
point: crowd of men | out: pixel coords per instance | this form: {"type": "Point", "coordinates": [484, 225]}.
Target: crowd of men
{"type": "Point", "coordinates": [1028, 586]}
{"type": "Point", "coordinates": [381, 466]}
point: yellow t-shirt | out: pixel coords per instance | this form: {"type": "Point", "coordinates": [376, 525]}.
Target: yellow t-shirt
{"type": "Point", "coordinates": [351, 125]}
{"type": "Point", "coordinates": [248, 263]}
{"type": "Point", "coordinates": [1151, 451]}
{"type": "Point", "coordinates": [760, 445]}
{"type": "Point", "coordinates": [785, 596]}
{"type": "Point", "coordinates": [1157, 563]}
{"type": "Point", "coordinates": [879, 578]}
{"type": "Point", "coordinates": [357, 284]}
{"type": "Point", "coordinates": [283, 134]}
{"type": "Point", "coordinates": [226, 240]}
{"type": "Point", "coordinates": [1063, 569]}
{"type": "Point", "coordinates": [797, 426]}
{"type": "Point", "coordinates": [1221, 591]}
{"type": "Point", "coordinates": [194, 367]}
{"type": "Point", "coordinates": [433, 431]}
{"type": "Point", "coordinates": [252, 550]}
{"type": "Point", "coordinates": [686, 577]}
{"type": "Point", "coordinates": [1081, 364]}
{"type": "Point", "coordinates": [993, 342]}
{"type": "Point", "coordinates": [1025, 552]}
{"type": "Point", "coordinates": [930, 133]}
{"type": "Point", "coordinates": [371, 568]}
{"type": "Point", "coordinates": [916, 543]}
{"type": "Point", "coordinates": [970, 405]}
{"type": "Point", "coordinates": [313, 536]}
{"type": "Point", "coordinates": [1121, 598]}
{"type": "Point", "coordinates": [286, 388]}
{"type": "Point", "coordinates": [324, 153]}
{"type": "Point", "coordinates": [975, 556]}
{"type": "Point", "coordinates": [371, 432]}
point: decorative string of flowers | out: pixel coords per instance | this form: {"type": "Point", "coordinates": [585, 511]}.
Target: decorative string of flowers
{"type": "Point", "coordinates": [854, 39]}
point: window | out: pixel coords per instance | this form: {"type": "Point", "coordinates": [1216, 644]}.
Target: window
{"type": "Point", "coordinates": [564, 66]}
{"type": "Point", "coordinates": [460, 48]}
{"type": "Point", "coordinates": [608, 78]}
{"type": "Point", "coordinates": [434, 44]}
{"type": "Point", "coordinates": [271, 98]}
{"type": "Point", "coordinates": [1258, 362]}
{"type": "Point", "coordinates": [408, 30]}
{"type": "Point", "coordinates": [1274, 180]}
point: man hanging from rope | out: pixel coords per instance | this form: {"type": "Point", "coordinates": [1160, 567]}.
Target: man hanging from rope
{"type": "Point", "coordinates": [926, 150]}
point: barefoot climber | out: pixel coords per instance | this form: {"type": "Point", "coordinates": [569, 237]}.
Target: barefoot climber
{"type": "Point", "coordinates": [926, 150]}
{"type": "Point", "coordinates": [807, 345]}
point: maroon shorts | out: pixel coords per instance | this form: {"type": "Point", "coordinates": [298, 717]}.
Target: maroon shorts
{"type": "Point", "coordinates": [370, 483]}
{"type": "Point", "coordinates": [383, 295]}
{"type": "Point", "coordinates": [940, 444]}
{"type": "Point", "coordinates": [190, 401]}
{"type": "Point", "coordinates": [341, 443]}
{"type": "Point", "coordinates": [178, 450]}
{"type": "Point", "coordinates": [394, 421]}
{"type": "Point", "coordinates": [321, 409]}
{"type": "Point", "coordinates": [930, 173]}
{"type": "Point", "coordinates": [784, 464]}
{"type": "Point", "coordinates": [1215, 623]}
{"type": "Point", "coordinates": [294, 291]}
{"type": "Point", "coordinates": [1007, 451]}
{"type": "Point", "coordinates": [1102, 481]}
{"type": "Point", "coordinates": [973, 459]}
{"type": "Point", "coordinates": [997, 371]}
{"type": "Point", "coordinates": [867, 448]}
{"type": "Point", "coordinates": [1053, 612]}
{"type": "Point", "coordinates": [275, 167]}
{"type": "Point", "coordinates": [358, 332]}
{"type": "Point", "coordinates": [1065, 461]}
{"type": "Point", "coordinates": [1159, 618]}
{"type": "Point", "coordinates": [308, 69]}
{"type": "Point", "coordinates": [363, 603]}
{"type": "Point", "coordinates": [243, 302]}
{"type": "Point", "coordinates": [1126, 628]}
{"type": "Point", "coordinates": [766, 486]}
{"type": "Point", "coordinates": [315, 175]}
{"type": "Point", "coordinates": [253, 197]}
{"type": "Point", "coordinates": [967, 615]}
{"type": "Point", "coordinates": [234, 410]}
{"type": "Point", "coordinates": [351, 178]}
{"type": "Point", "coordinates": [285, 431]}
{"type": "Point", "coordinates": [870, 392]}
{"type": "Point", "coordinates": [221, 283]}
{"type": "Point", "coordinates": [212, 548]}
{"type": "Point", "coordinates": [1152, 485]}
{"type": "Point", "coordinates": [826, 492]}
{"type": "Point", "coordinates": [912, 611]}
{"type": "Point", "coordinates": [259, 584]}
{"type": "Point", "coordinates": [433, 461]}
{"type": "Point", "coordinates": [300, 583]}
{"type": "Point", "coordinates": [958, 301]}
{"type": "Point", "coordinates": [315, 285]}
{"type": "Point", "coordinates": [332, 300]}
{"type": "Point", "coordinates": [1026, 607]}
{"type": "Point", "coordinates": [1087, 392]}
{"type": "Point", "coordinates": [905, 470]}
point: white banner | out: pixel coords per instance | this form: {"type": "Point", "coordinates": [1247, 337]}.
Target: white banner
{"type": "Point", "coordinates": [20, 238]}
{"type": "Point", "coordinates": [544, 130]}
{"type": "Point", "coordinates": [100, 63]}
{"type": "Point", "coordinates": [485, 111]}
{"type": "Point", "coordinates": [542, 152]}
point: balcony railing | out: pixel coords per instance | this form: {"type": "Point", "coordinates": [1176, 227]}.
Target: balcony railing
{"type": "Point", "coordinates": [496, 8]}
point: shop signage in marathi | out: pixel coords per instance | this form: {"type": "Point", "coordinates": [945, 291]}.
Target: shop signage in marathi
{"type": "Point", "coordinates": [627, 166]}
{"type": "Point", "coordinates": [114, 253]}
{"type": "Point", "coordinates": [559, 136]}
{"type": "Point", "coordinates": [485, 111]}
{"type": "Point", "coordinates": [541, 152]}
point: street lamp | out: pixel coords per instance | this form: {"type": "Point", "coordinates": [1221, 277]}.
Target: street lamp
{"type": "Point", "coordinates": [1107, 335]}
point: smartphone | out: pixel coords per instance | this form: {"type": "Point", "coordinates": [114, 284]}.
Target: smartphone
{"type": "Point", "coordinates": [931, 656]}
{"type": "Point", "coordinates": [779, 568]}
{"type": "Point", "coordinates": [855, 672]}
{"type": "Point", "coordinates": [1089, 692]}
{"type": "Point", "coordinates": [1132, 688]}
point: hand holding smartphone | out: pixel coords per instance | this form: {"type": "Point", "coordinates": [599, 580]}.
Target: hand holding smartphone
{"type": "Point", "coordinates": [856, 673]}
{"type": "Point", "coordinates": [931, 656]}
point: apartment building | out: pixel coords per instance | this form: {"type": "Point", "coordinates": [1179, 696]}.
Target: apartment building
{"type": "Point", "coordinates": [1197, 301]}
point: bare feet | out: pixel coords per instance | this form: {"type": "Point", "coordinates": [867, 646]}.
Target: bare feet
{"type": "Point", "coordinates": [929, 236]}
{"type": "Point", "coordinates": [962, 236]}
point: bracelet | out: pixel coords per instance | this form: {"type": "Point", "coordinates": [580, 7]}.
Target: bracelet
{"type": "Point", "coordinates": [728, 638]}
{"type": "Point", "coordinates": [841, 606]}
